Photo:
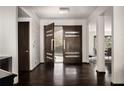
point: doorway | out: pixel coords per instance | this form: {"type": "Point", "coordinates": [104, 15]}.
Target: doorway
{"type": "Point", "coordinates": [63, 43]}
{"type": "Point", "coordinates": [23, 46]}
{"type": "Point", "coordinates": [58, 44]}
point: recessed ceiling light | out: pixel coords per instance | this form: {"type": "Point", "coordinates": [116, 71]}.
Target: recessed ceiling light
{"type": "Point", "coordinates": [63, 10]}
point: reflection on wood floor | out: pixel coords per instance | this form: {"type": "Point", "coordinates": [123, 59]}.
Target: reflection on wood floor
{"type": "Point", "coordinates": [61, 74]}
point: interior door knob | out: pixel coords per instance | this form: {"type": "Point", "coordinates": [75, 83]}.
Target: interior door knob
{"type": "Point", "coordinates": [26, 51]}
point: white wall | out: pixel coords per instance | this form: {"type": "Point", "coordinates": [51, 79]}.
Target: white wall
{"type": "Point", "coordinates": [34, 37]}
{"type": "Point", "coordinates": [65, 22]}
{"type": "Point", "coordinates": [92, 33]}
{"type": "Point", "coordinates": [118, 46]}
{"type": "Point", "coordinates": [9, 36]}
{"type": "Point", "coordinates": [34, 45]}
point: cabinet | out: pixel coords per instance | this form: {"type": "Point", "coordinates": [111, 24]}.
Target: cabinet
{"type": "Point", "coordinates": [6, 63]}
{"type": "Point", "coordinates": [6, 78]}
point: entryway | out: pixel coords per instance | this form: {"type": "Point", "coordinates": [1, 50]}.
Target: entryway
{"type": "Point", "coordinates": [63, 43]}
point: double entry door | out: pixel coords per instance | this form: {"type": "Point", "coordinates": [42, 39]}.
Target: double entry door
{"type": "Point", "coordinates": [72, 44]}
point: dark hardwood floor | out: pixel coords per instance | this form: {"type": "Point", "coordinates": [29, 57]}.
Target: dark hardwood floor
{"type": "Point", "coordinates": [65, 75]}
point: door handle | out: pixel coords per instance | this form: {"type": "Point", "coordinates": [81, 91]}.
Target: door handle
{"type": "Point", "coordinates": [52, 44]}
{"type": "Point", "coordinates": [64, 44]}
{"type": "Point", "coordinates": [26, 51]}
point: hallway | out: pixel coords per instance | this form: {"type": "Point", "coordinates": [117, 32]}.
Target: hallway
{"type": "Point", "coordinates": [68, 75]}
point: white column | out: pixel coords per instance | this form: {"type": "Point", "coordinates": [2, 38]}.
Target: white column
{"type": "Point", "coordinates": [118, 46]}
{"type": "Point", "coordinates": [100, 44]}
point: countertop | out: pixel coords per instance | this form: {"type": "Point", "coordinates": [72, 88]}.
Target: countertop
{"type": "Point", "coordinates": [4, 74]}
{"type": "Point", "coordinates": [4, 57]}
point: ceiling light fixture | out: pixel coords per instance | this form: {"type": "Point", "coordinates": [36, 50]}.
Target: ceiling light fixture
{"type": "Point", "coordinates": [63, 10]}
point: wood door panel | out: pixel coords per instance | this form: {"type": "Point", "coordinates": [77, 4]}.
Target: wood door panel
{"type": "Point", "coordinates": [72, 44]}
{"type": "Point", "coordinates": [73, 60]}
{"type": "Point", "coordinates": [49, 43]}
{"type": "Point", "coordinates": [23, 46]}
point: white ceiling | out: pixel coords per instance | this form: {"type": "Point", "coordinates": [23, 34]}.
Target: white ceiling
{"type": "Point", "coordinates": [21, 13]}
{"type": "Point", "coordinates": [48, 12]}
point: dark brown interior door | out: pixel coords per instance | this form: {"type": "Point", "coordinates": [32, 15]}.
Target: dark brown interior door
{"type": "Point", "coordinates": [49, 43]}
{"type": "Point", "coordinates": [23, 46]}
{"type": "Point", "coordinates": [72, 44]}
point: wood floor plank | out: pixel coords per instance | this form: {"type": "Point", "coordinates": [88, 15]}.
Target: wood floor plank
{"type": "Point", "coordinates": [61, 74]}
